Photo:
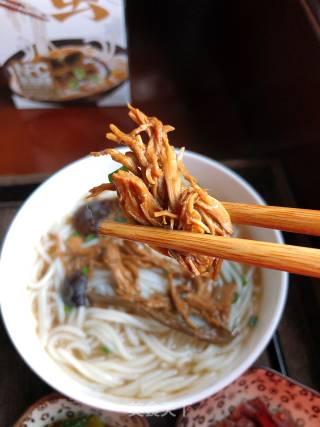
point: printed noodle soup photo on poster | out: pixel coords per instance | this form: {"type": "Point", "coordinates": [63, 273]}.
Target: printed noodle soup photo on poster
{"type": "Point", "coordinates": [57, 52]}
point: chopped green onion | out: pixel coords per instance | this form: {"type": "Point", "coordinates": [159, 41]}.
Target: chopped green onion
{"type": "Point", "coordinates": [79, 73]}
{"type": "Point", "coordinates": [121, 219]}
{"type": "Point", "coordinates": [89, 237]}
{"type": "Point", "coordinates": [82, 421]}
{"type": "Point", "coordinates": [123, 168]}
{"type": "Point", "coordinates": [105, 349]}
{"type": "Point", "coordinates": [235, 297]}
{"type": "Point", "coordinates": [253, 320]}
{"type": "Point", "coordinates": [76, 234]}
{"type": "Point", "coordinates": [85, 271]}
{"type": "Point", "coordinates": [67, 308]}
{"type": "Point", "coordinates": [244, 281]}
{"type": "Point", "coordinates": [94, 78]}
{"type": "Point", "coordinates": [73, 84]}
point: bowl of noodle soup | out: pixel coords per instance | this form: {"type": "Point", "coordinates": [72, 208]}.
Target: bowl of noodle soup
{"type": "Point", "coordinates": [108, 357]}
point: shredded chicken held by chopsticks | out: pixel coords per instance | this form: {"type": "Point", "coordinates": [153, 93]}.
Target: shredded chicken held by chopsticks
{"type": "Point", "coordinates": [155, 188]}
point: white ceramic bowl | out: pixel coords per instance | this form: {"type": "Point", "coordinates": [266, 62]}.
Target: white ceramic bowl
{"type": "Point", "coordinates": [54, 199]}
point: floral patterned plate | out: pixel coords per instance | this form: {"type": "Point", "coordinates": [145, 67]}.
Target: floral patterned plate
{"type": "Point", "coordinates": [55, 407]}
{"type": "Point", "coordinates": [274, 389]}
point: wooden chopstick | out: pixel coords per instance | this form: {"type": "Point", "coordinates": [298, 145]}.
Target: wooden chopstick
{"type": "Point", "coordinates": [25, 9]}
{"type": "Point", "coordinates": [304, 221]}
{"type": "Point", "coordinates": [294, 259]}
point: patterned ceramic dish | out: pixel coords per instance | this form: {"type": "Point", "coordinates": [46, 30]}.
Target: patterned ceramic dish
{"type": "Point", "coordinates": [55, 407]}
{"type": "Point", "coordinates": [276, 391]}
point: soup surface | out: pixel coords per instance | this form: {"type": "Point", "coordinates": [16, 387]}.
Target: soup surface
{"type": "Point", "coordinates": [109, 311]}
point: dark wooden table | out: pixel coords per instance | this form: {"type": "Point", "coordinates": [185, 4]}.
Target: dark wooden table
{"type": "Point", "coordinates": [294, 349]}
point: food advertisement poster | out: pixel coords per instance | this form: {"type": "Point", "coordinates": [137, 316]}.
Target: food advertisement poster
{"type": "Point", "coordinates": [57, 52]}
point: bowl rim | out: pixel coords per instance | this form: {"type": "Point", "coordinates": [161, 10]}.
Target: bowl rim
{"type": "Point", "coordinates": [140, 407]}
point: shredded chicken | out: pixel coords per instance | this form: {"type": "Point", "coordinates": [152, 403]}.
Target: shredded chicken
{"type": "Point", "coordinates": [194, 305]}
{"type": "Point", "coordinates": [153, 190]}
